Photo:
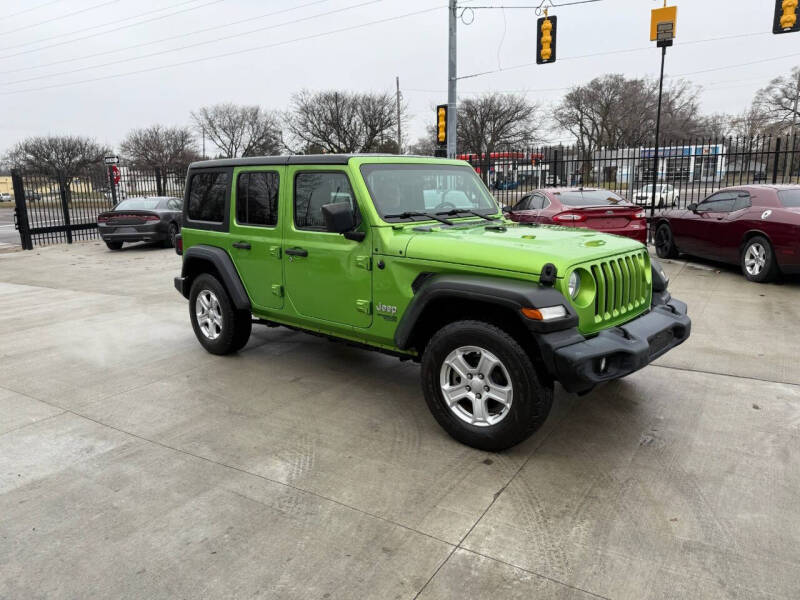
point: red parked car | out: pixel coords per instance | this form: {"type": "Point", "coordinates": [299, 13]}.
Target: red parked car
{"type": "Point", "coordinates": [582, 207]}
{"type": "Point", "coordinates": [756, 226]}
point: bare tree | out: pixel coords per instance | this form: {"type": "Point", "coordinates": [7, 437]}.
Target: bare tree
{"type": "Point", "coordinates": [717, 125]}
{"type": "Point", "coordinates": [161, 149]}
{"type": "Point", "coordinates": [342, 122]}
{"type": "Point", "coordinates": [779, 101]}
{"type": "Point", "coordinates": [426, 145]}
{"type": "Point", "coordinates": [753, 122]}
{"type": "Point", "coordinates": [615, 112]}
{"type": "Point", "coordinates": [494, 120]}
{"type": "Point", "coordinates": [238, 130]}
{"type": "Point", "coordinates": [60, 157]}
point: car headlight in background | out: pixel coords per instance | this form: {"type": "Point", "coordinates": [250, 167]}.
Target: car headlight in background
{"type": "Point", "coordinates": [574, 285]}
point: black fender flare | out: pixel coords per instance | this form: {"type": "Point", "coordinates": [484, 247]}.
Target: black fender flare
{"type": "Point", "coordinates": [223, 265]}
{"type": "Point", "coordinates": [511, 294]}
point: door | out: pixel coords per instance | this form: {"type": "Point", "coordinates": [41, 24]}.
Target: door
{"type": "Point", "coordinates": [710, 226]}
{"type": "Point", "coordinates": [731, 228]}
{"type": "Point", "coordinates": [255, 233]}
{"type": "Point", "coordinates": [328, 277]}
{"type": "Point", "coordinates": [692, 229]}
{"type": "Point", "coordinates": [523, 211]}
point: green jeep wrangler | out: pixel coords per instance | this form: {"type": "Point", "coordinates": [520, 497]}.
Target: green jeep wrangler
{"type": "Point", "coordinates": [411, 256]}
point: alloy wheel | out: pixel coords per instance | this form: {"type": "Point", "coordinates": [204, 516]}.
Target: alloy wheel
{"type": "Point", "coordinates": [209, 314]}
{"type": "Point", "coordinates": [755, 259]}
{"type": "Point", "coordinates": [476, 386]}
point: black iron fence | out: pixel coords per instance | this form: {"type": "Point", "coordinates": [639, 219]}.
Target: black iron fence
{"type": "Point", "coordinates": [687, 171]}
{"type": "Point", "coordinates": [54, 210]}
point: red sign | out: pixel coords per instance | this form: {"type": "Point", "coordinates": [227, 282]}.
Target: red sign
{"type": "Point", "coordinates": [115, 176]}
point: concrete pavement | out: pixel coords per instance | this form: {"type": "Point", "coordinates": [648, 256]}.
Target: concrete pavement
{"type": "Point", "coordinates": [135, 465]}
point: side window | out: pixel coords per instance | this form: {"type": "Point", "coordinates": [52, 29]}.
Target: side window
{"type": "Point", "coordinates": [175, 204]}
{"type": "Point", "coordinates": [722, 202]}
{"type": "Point", "coordinates": [545, 202]}
{"type": "Point", "coordinates": [257, 198]}
{"type": "Point", "coordinates": [742, 201]}
{"type": "Point", "coordinates": [537, 203]}
{"type": "Point", "coordinates": [207, 196]}
{"type": "Point", "coordinates": [523, 204]}
{"type": "Point", "coordinates": [314, 189]}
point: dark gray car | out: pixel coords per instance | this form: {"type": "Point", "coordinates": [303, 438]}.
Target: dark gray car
{"type": "Point", "coordinates": [150, 219]}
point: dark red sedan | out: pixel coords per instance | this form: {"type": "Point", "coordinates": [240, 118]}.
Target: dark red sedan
{"type": "Point", "coordinates": [582, 207]}
{"type": "Point", "coordinates": [756, 226]}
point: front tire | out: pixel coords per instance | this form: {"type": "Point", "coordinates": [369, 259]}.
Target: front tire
{"type": "Point", "coordinates": [758, 260]}
{"type": "Point", "coordinates": [219, 327]}
{"type": "Point", "coordinates": [665, 242]}
{"type": "Point", "coordinates": [482, 387]}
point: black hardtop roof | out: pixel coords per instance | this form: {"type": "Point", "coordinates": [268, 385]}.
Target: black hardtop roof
{"type": "Point", "coordinates": [293, 159]}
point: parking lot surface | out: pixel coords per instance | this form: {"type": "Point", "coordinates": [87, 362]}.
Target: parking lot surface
{"type": "Point", "coordinates": [135, 465]}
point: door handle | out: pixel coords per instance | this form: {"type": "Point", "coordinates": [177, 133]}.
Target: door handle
{"type": "Point", "coordinates": [296, 252]}
{"type": "Point", "coordinates": [241, 245]}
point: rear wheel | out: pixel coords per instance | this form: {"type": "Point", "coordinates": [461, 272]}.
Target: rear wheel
{"type": "Point", "coordinates": [114, 245]}
{"type": "Point", "coordinates": [665, 242]}
{"type": "Point", "coordinates": [219, 327]}
{"type": "Point", "coordinates": [482, 387]}
{"type": "Point", "coordinates": [171, 235]}
{"type": "Point", "coordinates": [758, 260]}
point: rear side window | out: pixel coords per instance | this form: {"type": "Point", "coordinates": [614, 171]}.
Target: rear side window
{"type": "Point", "coordinates": [257, 198]}
{"type": "Point", "coordinates": [790, 198]}
{"type": "Point", "coordinates": [313, 190]}
{"type": "Point", "coordinates": [742, 202]}
{"type": "Point", "coordinates": [207, 196]}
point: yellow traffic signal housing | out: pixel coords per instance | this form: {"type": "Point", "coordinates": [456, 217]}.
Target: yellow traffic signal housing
{"type": "Point", "coordinates": [786, 18]}
{"type": "Point", "coordinates": [546, 40]}
{"type": "Point", "coordinates": [441, 123]}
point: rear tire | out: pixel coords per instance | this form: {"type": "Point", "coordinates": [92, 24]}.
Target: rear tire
{"type": "Point", "coordinates": [114, 245]}
{"type": "Point", "coordinates": [758, 260]}
{"type": "Point", "coordinates": [496, 397]}
{"type": "Point", "coordinates": [171, 235]}
{"type": "Point", "coordinates": [219, 327]}
{"type": "Point", "coordinates": [665, 242]}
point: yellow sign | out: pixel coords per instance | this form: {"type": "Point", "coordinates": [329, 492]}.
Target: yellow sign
{"type": "Point", "coordinates": [668, 14]}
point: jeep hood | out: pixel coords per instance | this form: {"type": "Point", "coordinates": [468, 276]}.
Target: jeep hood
{"type": "Point", "coordinates": [514, 247]}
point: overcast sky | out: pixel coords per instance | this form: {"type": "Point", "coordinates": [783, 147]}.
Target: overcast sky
{"type": "Point", "coordinates": [167, 57]}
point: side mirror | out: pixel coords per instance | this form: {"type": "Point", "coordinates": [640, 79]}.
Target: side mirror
{"type": "Point", "coordinates": [339, 217]}
{"type": "Point", "coordinates": [507, 210]}
{"type": "Point", "coordinates": [692, 207]}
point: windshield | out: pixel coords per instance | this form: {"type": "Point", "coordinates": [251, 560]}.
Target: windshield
{"type": "Point", "coordinates": [137, 204]}
{"type": "Point", "coordinates": [404, 188]}
{"type": "Point", "coordinates": [659, 188]}
{"type": "Point", "coordinates": [790, 198]}
{"type": "Point", "coordinates": [589, 198]}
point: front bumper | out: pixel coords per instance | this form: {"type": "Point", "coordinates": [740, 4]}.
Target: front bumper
{"type": "Point", "coordinates": [580, 363]}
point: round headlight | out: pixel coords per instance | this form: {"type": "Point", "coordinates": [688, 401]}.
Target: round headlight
{"type": "Point", "coordinates": [574, 284]}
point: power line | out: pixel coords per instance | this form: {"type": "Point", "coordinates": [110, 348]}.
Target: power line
{"type": "Point", "coordinates": [32, 8]}
{"type": "Point", "coordinates": [58, 18]}
{"type": "Point", "coordinates": [196, 44]}
{"type": "Point", "coordinates": [227, 54]}
{"type": "Point", "coordinates": [166, 39]}
{"type": "Point", "coordinates": [74, 31]}
{"type": "Point", "coordinates": [91, 35]}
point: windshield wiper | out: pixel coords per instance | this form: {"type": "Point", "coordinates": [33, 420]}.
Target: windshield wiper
{"type": "Point", "coordinates": [455, 211]}
{"type": "Point", "coordinates": [417, 213]}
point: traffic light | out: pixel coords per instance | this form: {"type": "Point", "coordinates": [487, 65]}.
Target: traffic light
{"type": "Point", "coordinates": [546, 40]}
{"type": "Point", "coordinates": [786, 18]}
{"type": "Point", "coordinates": [441, 123]}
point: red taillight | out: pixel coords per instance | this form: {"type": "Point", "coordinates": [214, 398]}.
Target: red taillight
{"type": "Point", "coordinates": [569, 217]}
{"type": "Point", "coordinates": [102, 218]}
{"type": "Point", "coordinates": [178, 244]}
{"type": "Point", "coordinates": [150, 217]}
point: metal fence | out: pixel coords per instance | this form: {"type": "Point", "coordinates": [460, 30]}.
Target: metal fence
{"type": "Point", "coordinates": [688, 170]}
{"type": "Point", "coordinates": [54, 210]}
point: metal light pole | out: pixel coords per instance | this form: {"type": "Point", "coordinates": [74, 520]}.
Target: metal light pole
{"type": "Point", "coordinates": [658, 131]}
{"type": "Point", "coordinates": [399, 131]}
{"type": "Point", "coordinates": [451, 82]}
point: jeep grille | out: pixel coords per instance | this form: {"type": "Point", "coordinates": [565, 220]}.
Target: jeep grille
{"type": "Point", "coordinates": [621, 284]}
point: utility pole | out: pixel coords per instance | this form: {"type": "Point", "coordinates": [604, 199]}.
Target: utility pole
{"type": "Point", "coordinates": [399, 131]}
{"type": "Point", "coordinates": [451, 82]}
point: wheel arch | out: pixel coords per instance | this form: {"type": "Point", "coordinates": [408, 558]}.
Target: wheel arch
{"type": "Point", "coordinates": [215, 261]}
{"type": "Point", "coordinates": [750, 234]}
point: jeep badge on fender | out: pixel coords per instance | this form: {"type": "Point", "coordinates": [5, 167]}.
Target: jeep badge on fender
{"type": "Point", "coordinates": [292, 241]}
